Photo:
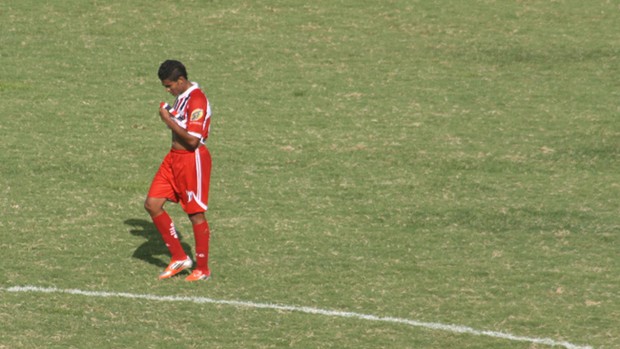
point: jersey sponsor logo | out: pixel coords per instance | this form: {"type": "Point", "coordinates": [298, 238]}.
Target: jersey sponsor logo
{"type": "Point", "coordinates": [197, 114]}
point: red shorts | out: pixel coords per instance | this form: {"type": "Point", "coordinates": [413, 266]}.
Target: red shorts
{"type": "Point", "coordinates": [183, 177]}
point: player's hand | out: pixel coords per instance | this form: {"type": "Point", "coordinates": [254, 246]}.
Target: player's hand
{"type": "Point", "coordinates": [164, 113]}
{"type": "Point", "coordinates": [167, 114]}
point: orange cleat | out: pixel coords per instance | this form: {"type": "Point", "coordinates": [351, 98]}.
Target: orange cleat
{"type": "Point", "coordinates": [176, 267]}
{"type": "Point", "coordinates": [198, 274]}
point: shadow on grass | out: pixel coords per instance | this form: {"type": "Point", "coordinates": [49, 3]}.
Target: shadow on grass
{"type": "Point", "coordinates": [154, 244]}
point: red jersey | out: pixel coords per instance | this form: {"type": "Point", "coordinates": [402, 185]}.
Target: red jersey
{"type": "Point", "coordinates": [191, 110]}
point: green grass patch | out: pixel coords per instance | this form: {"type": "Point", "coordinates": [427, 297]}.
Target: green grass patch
{"type": "Point", "coordinates": [451, 162]}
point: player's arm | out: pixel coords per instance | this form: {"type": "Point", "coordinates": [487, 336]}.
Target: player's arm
{"type": "Point", "coordinates": [189, 141]}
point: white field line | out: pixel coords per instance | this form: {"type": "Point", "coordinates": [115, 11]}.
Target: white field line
{"type": "Point", "coordinates": [307, 310]}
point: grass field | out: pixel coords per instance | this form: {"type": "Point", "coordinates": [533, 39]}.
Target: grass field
{"type": "Point", "coordinates": [449, 162]}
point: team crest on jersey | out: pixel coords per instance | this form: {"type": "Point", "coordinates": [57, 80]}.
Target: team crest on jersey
{"type": "Point", "coordinates": [197, 114]}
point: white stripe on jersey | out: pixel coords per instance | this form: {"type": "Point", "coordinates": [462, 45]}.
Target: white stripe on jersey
{"type": "Point", "coordinates": [207, 117]}
{"type": "Point", "coordinates": [198, 196]}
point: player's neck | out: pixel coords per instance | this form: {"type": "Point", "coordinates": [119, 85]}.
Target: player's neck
{"type": "Point", "coordinates": [186, 85]}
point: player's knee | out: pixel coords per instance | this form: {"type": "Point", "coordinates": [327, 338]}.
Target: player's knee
{"type": "Point", "coordinates": [197, 218]}
{"type": "Point", "coordinates": [151, 207]}
{"type": "Point", "coordinates": [147, 206]}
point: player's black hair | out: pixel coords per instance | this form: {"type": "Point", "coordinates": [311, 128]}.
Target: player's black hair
{"type": "Point", "coordinates": [171, 70]}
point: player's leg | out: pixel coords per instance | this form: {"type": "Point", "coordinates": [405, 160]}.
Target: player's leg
{"type": "Point", "coordinates": [160, 192]}
{"type": "Point", "coordinates": [155, 207]}
{"type": "Point", "coordinates": [195, 204]}
{"type": "Point", "coordinates": [179, 259]}
{"type": "Point", "coordinates": [202, 235]}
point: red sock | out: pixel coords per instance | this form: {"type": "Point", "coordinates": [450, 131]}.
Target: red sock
{"type": "Point", "coordinates": [201, 235]}
{"type": "Point", "coordinates": [169, 234]}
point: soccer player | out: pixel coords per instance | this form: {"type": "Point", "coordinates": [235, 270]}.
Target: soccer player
{"type": "Point", "coordinates": [183, 176]}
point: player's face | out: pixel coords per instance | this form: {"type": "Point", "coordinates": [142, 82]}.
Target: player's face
{"type": "Point", "coordinates": [173, 87]}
